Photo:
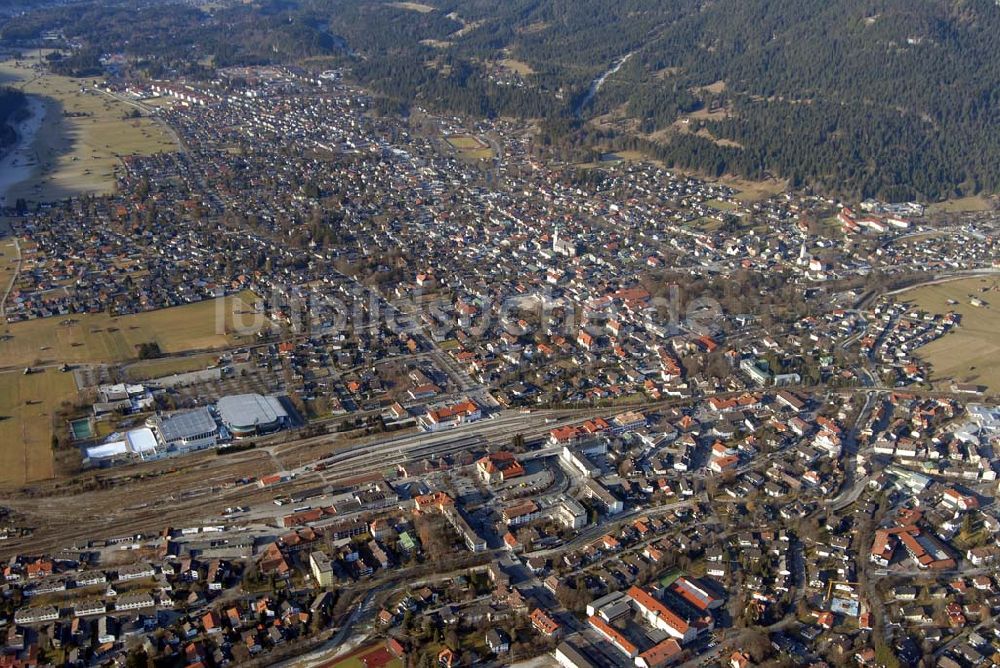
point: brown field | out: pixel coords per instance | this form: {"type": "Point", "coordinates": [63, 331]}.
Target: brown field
{"type": "Point", "coordinates": [668, 72]}
{"type": "Point", "coordinates": [102, 338]}
{"type": "Point", "coordinates": [686, 124]}
{"type": "Point", "coordinates": [26, 407]}
{"type": "Point", "coordinates": [636, 156]}
{"type": "Point", "coordinates": [970, 204]}
{"type": "Point", "coordinates": [82, 136]}
{"type": "Point", "coordinates": [146, 369]}
{"type": "Point", "coordinates": [752, 191]}
{"type": "Point", "coordinates": [8, 264]}
{"type": "Point", "coordinates": [715, 88]}
{"type": "Point", "coordinates": [727, 143]}
{"type": "Point", "coordinates": [160, 102]}
{"type": "Point", "coordinates": [971, 352]}
{"type": "Point", "coordinates": [517, 66]}
{"type": "Point", "coordinates": [706, 114]}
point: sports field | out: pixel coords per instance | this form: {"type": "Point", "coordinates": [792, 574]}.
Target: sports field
{"type": "Point", "coordinates": [367, 657]}
{"type": "Point", "coordinates": [470, 147]}
{"type": "Point", "coordinates": [26, 407]}
{"type": "Point", "coordinates": [971, 352]}
{"type": "Point", "coordinates": [82, 135]}
{"type": "Point", "coordinates": [102, 338]}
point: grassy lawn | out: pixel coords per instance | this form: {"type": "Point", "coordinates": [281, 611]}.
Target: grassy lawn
{"type": "Point", "coordinates": [450, 344]}
{"type": "Point", "coordinates": [705, 224]}
{"type": "Point", "coordinates": [26, 407]}
{"type": "Point", "coordinates": [102, 338]}
{"type": "Point", "coordinates": [147, 369]}
{"type": "Point", "coordinates": [637, 156]}
{"type": "Point", "coordinates": [721, 205]}
{"type": "Point", "coordinates": [82, 136]}
{"type": "Point", "coordinates": [970, 353]}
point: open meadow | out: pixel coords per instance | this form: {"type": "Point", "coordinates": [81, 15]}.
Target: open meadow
{"type": "Point", "coordinates": [81, 137]}
{"type": "Point", "coordinates": [98, 337]}
{"type": "Point", "coordinates": [517, 66]}
{"type": "Point", "coordinates": [971, 352]}
{"type": "Point", "coordinates": [27, 403]}
{"type": "Point", "coordinates": [970, 204]}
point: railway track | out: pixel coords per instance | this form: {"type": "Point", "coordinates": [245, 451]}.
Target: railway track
{"type": "Point", "coordinates": [199, 488]}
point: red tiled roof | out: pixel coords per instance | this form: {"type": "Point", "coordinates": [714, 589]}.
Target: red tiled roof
{"type": "Point", "coordinates": [644, 599]}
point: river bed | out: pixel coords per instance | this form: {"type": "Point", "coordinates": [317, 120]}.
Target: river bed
{"type": "Point", "coordinates": [596, 84]}
{"type": "Point", "coordinates": [19, 164]}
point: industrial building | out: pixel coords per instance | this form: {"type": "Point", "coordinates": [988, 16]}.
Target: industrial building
{"type": "Point", "coordinates": [139, 443]}
{"type": "Point", "coordinates": [246, 415]}
{"type": "Point", "coordinates": [185, 431]}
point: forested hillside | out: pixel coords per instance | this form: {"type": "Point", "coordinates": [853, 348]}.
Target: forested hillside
{"type": "Point", "coordinates": [895, 98]}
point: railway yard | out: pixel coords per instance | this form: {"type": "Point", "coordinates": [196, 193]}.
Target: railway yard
{"type": "Point", "coordinates": [150, 497]}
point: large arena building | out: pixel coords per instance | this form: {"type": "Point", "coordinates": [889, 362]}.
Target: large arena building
{"type": "Point", "coordinates": [246, 415]}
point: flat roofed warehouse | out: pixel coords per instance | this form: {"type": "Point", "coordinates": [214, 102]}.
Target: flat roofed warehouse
{"type": "Point", "coordinates": [141, 442]}
{"type": "Point", "coordinates": [251, 414]}
{"type": "Point", "coordinates": [187, 430]}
